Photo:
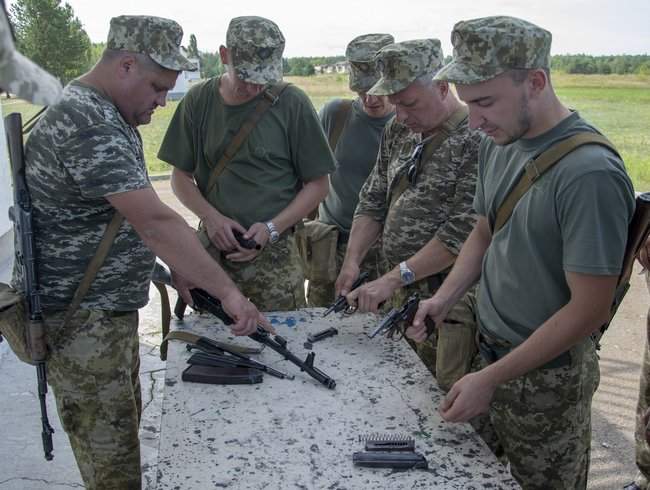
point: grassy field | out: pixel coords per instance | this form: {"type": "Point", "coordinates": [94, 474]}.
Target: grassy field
{"type": "Point", "coordinates": [619, 105]}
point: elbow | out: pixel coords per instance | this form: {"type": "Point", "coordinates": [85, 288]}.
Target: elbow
{"type": "Point", "coordinates": [319, 188]}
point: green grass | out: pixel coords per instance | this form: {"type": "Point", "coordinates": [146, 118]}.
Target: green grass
{"type": "Point", "coordinates": [619, 105]}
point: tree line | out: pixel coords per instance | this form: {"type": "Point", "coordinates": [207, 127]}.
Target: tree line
{"type": "Point", "coordinates": [50, 34]}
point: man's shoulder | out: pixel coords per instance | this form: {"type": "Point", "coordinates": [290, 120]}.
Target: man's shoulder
{"type": "Point", "coordinates": [80, 109]}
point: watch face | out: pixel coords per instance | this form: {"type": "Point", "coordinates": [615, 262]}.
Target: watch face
{"type": "Point", "coordinates": [407, 276]}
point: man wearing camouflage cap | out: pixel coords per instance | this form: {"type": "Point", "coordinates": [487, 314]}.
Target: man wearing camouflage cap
{"type": "Point", "coordinates": [549, 271]}
{"type": "Point", "coordinates": [417, 199]}
{"type": "Point", "coordinates": [354, 129]}
{"type": "Point", "coordinates": [84, 163]}
{"type": "Point", "coordinates": [274, 179]}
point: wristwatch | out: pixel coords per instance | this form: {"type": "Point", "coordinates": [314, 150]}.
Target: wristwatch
{"type": "Point", "coordinates": [274, 236]}
{"type": "Point", "coordinates": [406, 275]}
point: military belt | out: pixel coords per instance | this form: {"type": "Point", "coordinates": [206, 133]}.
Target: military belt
{"type": "Point", "coordinates": [491, 350]}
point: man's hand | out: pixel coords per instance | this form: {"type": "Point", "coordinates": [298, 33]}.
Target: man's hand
{"type": "Point", "coordinates": [433, 307]}
{"type": "Point", "coordinates": [470, 396]}
{"type": "Point", "coordinates": [258, 232]}
{"type": "Point", "coordinates": [244, 313]}
{"type": "Point", "coordinates": [369, 296]}
{"type": "Point", "coordinates": [219, 229]}
{"type": "Point", "coordinates": [183, 287]}
{"type": "Point", "coordinates": [347, 275]}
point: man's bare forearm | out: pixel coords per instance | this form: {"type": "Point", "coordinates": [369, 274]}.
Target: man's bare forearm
{"type": "Point", "coordinates": [587, 310]}
{"type": "Point", "coordinates": [166, 233]}
{"type": "Point", "coordinates": [467, 268]}
{"type": "Point", "coordinates": [308, 199]}
{"type": "Point", "coordinates": [431, 259]}
{"type": "Point", "coordinates": [365, 231]}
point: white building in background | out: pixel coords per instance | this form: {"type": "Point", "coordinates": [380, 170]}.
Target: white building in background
{"type": "Point", "coordinates": [185, 80]}
{"type": "Point", "coordinates": [6, 200]}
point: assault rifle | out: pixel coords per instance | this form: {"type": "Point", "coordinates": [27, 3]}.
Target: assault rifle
{"type": "Point", "coordinates": [203, 301]}
{"type": "Point", "coordinates": [21, 215]}
{"type": "Point", "coordinates": [341, 303]}
{"type": "Point", "coordinates": [636, 237]}
{"type": "Point", "coordinates": [398, 319]}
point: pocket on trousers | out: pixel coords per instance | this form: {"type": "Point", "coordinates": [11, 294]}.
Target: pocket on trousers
{"type": "Point", "coordinates": [13, 322]}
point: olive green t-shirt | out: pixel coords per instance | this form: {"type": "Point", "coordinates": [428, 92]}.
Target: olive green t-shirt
{"type": "Point", "coordinates": [573, 219]}
{"type": "Point", "coordinates": [286, 148]}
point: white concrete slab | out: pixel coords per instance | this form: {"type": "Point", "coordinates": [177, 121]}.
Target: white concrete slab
{"type": "Point", "coordinates": [298, 434]}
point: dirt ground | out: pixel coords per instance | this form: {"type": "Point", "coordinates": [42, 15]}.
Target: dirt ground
{"type": "Point", "coordinates": [613, 413]}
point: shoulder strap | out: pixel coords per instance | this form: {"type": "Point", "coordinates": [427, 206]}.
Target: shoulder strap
{"type": "Point", "coordinates": [94, 265]}
{"type": "Point", "coordinates": [340, 117]}
{"type": "Point", "coordinates": [270, 97]}
{"type": "Point", "coordinates": [535, 168]}
{"type": "Point", "coordinates": [431, 144]}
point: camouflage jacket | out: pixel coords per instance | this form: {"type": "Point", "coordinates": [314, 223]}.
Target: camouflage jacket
{"type": "Point", "coordinates": [439, 204]}
{"type": "Point", "coordinates": [81, 151]}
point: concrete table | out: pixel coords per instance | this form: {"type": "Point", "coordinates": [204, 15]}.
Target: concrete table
{"type": "Point", "coordinates": [283, 434]}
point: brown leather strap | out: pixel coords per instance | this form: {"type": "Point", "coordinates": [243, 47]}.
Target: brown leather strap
{"type": "Point", "coordinates": [432, 143]}
{"type": "Point", "coordinates": [535, 168]}
{"type": "Point", "coordinates": [166, 316]}
{"type": "Point", "coordinates": [340, 117]}
{"type": "Point", "coordinates": [269, 98]}
{"type": "Point", "coordinates": [94, 265]}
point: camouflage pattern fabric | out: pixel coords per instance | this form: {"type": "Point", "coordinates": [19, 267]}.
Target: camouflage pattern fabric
{"type": "Point", "coordinates": [401, 63]}
{"type": "Point", "coordinates": [438, 205]}
{"type": "Point", "coordinates": [322, 294]}
{"type": "Point", "coordinates": [156, 37]}
{"type": "Point", "coordinates": [79, 152]}
{"type": "Point", "coordinates": [93, 371]}
{"type": "Point", "coordinates": [360, 53]}
{"type": "Point", "coordinates": [256, 46]}
{"type": "Point", "coordinates": [21, 76]}
{"type": "Point", "coordinates": [489, 46]}
{"type": "Point", "coordinates": [273, 281]}
{"type": "Point", "coordinates": [641, 445]}
{"type": "Point", "coordinates": [543, 420]}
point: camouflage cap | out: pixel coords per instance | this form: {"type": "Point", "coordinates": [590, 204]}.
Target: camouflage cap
{"type": "Point", "coordinates": [156, 37]}
{"type": "Point", "coordinates": [401, 63]}
{"type": "Point", "coordinates": [360, 53]}
{"type": "Point", "coordinates": [21, 76]}
{"type": "Point", "coordinates": [256, 46]}
{"type": "Point", "coordinates": [489, 46]}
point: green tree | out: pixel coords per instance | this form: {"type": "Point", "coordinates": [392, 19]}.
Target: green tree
{"type": "Point", "coordinates": [210, 65]}
{"type": "Point", "coordinates": [51, 35]}
{"type": "Point", "coordinates": [192, 49]}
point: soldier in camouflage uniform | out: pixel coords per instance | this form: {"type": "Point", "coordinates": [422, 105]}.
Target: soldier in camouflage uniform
{"type": "Point", "coordinates": [546, 281]}
{"type": "Point", "coordinates": [355, 150]}
{"type": "Point", "coordinates": [84, 162]}
{"type": "Point", "coordinates": [21, 76]}
{"type": "Point", "coordinates": [642, 432]}
{"type": "Point", "coordinates": [276, 177]}
{"type": "Point", "coordinates": [423, 224]}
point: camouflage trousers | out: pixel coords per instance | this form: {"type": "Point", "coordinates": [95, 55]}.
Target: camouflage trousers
{"type": "Point", "coordinates": [642, 449]}
{"type": "Point", "coordinates": [321, 293]}
{"type": "Point", "coordinates": [93, 371]}
{"type": "Point", "coordinates": [273, 280]}
{"type": "Point", "coordinates": [543, 421]}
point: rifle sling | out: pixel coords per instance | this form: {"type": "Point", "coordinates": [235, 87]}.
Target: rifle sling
{"type": "Point", "coordinates": [340, 118]}
{"type": "Point", "coordinates": [451, 124]}
{"type": "Point", "coordinates": [269, 98]}
{"type": "Point", "coordinates": [536, 167]}
{"type": "Point", "coordinates": [94, 265]}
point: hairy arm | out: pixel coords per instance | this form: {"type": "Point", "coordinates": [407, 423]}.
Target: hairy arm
{"type": "Point", "coordinates": [365, 231]}
{"type": "Point", "coordinates": [587, 309]}
{"type": "Point", "coordinates": [166, 233]}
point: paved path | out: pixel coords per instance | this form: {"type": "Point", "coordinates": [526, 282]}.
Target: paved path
{"type": "Point", "coordinates": [23, 467]}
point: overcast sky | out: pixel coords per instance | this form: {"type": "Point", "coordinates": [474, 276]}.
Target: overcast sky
{"type": "Point", "coordinates": [324, 28]}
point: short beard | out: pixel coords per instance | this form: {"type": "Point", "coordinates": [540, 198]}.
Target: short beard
{"type": "Point", "coordinates": [523, 121]}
